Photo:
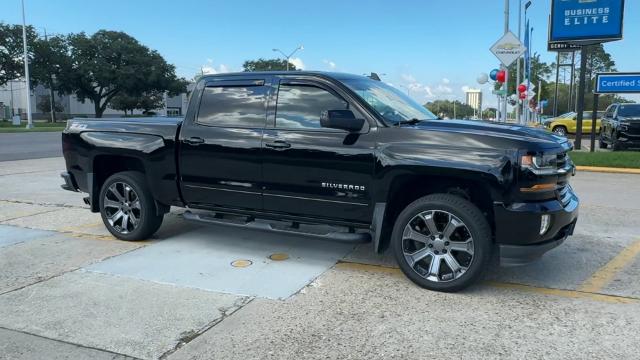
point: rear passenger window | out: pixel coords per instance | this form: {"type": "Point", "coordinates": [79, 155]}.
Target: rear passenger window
{"type": "Point", "coordinates": [300, 106]}
{"type": "Point", "coordinates": [233, 106]}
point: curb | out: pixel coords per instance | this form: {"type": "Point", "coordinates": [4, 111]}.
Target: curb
{"type": "Point", "coordinates": [609, 170]}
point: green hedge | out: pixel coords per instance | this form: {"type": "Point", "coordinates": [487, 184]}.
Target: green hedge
{"type": "Point", "coordinates": [618, 159]}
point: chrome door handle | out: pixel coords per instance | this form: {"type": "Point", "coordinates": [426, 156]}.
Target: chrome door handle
{"type": "Point", "coordinates": [278, 144]}
{"type": "Point", "coordinates": [194, 141]}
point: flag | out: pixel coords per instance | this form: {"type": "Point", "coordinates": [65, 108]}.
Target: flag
{"type": "Point", "coordinates": [527, 57]}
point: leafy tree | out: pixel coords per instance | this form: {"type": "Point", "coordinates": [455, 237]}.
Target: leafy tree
{"type": "Point", "coordinates": [540, 72]}
{"type": "Point", "coordinates": [51, 65]}
{"type": "Point", "coordinates": [44, 105]}
{"type": "Point", "coordinates": [450, 109]}
{"type": "Point", "coordinates": [124, 103]}
{"type": "Point", "coordinates": [146, 102]}
{"type": "Point", "coordinates": [109, 63]}
{"type": "Point", "coordinates": [11, 51]}
{"type": "Point", "coordinates": [267, 65]}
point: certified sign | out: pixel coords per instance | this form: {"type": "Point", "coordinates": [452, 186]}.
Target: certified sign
{"type": "Point", "coordinates": [508, 49]}
{"type": "Point", "coordinates": [617, 83]}
{"type": "Point", "coordinates": [586, 21]}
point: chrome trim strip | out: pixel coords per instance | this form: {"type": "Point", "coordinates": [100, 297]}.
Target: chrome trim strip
{"type": "Point", "coordinates": [219, 189]}
{"type": "Point", "coordinates": [306, 198]}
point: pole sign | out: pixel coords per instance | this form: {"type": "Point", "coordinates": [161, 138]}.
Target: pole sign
{"type": "Point", "coordinates": [508, 49]}
{"type": "Point", "coordinates": [586, 21]}
{"type": "Point", "coordinates": [617, 83]}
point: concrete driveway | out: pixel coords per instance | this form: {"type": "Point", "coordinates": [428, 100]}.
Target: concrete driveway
{"type": "Point", "coordinates": [68, 290]}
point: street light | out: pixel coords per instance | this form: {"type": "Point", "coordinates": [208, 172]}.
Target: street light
{"type": "Point", "coordinates": [26, 70]}
{"type": "Point", "coordinates": [290, 55]}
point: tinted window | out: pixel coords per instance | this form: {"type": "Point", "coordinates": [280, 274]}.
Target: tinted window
{"type": "Point", "coordinates": [233, 106]}
{"type": "Point", "coordinates": [609, 112]}
{"type": "Point", "coordinates": [629, 111]}
{"type": "Point", "coordinates": [300, 106]}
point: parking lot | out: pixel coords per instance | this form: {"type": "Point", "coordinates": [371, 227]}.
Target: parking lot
{"type": "Point", "coordinates": [70, 290]}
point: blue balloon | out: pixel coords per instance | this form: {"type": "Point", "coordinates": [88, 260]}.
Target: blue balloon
{"type": "Point", "coordinates": [493, 74]}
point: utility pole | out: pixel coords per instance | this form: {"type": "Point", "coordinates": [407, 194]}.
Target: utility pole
{"type": "Point", "coordinates": [519, 58]}
{"type": "Point", "coordinates": [11, 89]}
{"type": "Point", "coordinates": [555, 99]}
{"type": "Point", "coordinates": [51, 94]}
{"type": "Point", "coordinates": [505, 86]}
{"type": "Point", "coordinates": [290, 55]}
{"type": "Point", "coordinates": [581, 86]}
{"type": "Point", "coordinates": [26, 70]}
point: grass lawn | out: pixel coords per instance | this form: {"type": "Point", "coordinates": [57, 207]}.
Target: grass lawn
{"type": "Point", "coordinates": [618, 159]}
{"type": "Point", "coordinates": [6, 127]}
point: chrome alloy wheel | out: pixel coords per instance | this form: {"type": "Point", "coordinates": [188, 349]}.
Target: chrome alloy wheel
{"type": "Point", "coordinates": [122, 207]}
{"type": "Point", "coordinates": [437, 245]}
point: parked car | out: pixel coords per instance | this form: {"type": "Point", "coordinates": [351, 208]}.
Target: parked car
{"type": "Point", "coordinates": [301, 148]}
{"type": "Point", "coordinates": [621, 127]}
{"type": "Point", "coordinates": [568, 124]}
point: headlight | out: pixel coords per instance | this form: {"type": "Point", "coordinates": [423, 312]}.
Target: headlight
{"type": "Point", "coordinates": [539, 162]}
{"type": "Point", "coordinates": [624, 126]}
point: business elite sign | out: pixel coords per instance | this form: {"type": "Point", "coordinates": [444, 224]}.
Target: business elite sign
{"type": "Point", "coordinates": [586, 21]}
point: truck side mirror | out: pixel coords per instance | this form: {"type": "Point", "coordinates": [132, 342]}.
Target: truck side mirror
{"type": "Point", "coordinates": [341, 119]}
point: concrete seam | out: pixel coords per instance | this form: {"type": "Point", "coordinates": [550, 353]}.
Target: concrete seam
{"type": "Point", "coordinates": [68, 342]}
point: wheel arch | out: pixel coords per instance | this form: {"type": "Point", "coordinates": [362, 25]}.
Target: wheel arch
{"type": "Point", "coordinates": [477, 187]}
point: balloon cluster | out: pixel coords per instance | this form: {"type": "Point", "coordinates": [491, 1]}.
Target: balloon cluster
{"type": "Point", "coordinates": [522, 91]}
{"type": "Point", "coordinates": [496, 75]}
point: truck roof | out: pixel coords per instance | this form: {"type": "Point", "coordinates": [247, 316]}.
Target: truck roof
{"type": "Point", "coordinates": [333, 75]}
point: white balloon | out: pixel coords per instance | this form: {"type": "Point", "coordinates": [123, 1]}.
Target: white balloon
{"type": "Point", "coordinates": [483, 79]}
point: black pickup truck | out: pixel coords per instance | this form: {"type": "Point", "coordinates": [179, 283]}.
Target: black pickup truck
{"type": "Point", "coordinates": [334, 156]}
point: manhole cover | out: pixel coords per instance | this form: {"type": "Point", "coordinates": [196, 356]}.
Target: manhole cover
{"type": "Point", "coordinates": [241, 263]}
{"type": "Point", "coordinates": [279, 257]}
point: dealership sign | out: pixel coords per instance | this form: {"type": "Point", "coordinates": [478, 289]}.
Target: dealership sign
{"type": "Point", "coordinates": [508, 49]}
{"type": "Point", "coordinates": [586, 21]}
{"type": "Point", "coordinates": [617, 83]}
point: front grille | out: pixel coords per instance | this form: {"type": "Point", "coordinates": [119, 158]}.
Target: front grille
{"type": "Point", "coordinates": [562, 192]}
{"type": "Point", "coordinates": [633, 129]}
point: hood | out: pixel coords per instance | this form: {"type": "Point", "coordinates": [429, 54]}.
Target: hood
{"type": "Point", "coordinates": [485, 134]}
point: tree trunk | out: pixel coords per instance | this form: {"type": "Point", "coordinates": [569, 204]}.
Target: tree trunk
{"type": "Point", "coordinates": [52, 98]}
{"type": "Point", "coordinates": [98, 109]}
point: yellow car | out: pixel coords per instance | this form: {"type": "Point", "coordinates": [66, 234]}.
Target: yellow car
{"type": "Point", "coordinates": [567, 124]}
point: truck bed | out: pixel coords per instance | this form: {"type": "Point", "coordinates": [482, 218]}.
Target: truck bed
{"type": "Point", "coordinates": [94, 146]}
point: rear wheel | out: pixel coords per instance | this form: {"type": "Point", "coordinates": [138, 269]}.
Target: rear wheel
{"type": "Point", "coordinates": [127, 207]}
{"type": "Point", "coordinates": [560, 130]}
{"type": "Point", "coordinates": [442, 242]}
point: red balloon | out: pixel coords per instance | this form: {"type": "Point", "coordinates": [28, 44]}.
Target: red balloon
{"type": "Point", "coordinates": [501, 76]}
{"type": "Point", "coordinates": [522, 88]}
{"type": "Point", "coordinates": [523, 95]}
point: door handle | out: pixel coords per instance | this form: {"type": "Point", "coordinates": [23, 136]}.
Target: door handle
{"type": "Point", "coordinates": [278, 144]}
{"type": "Point", "coordinates": [194, 141]}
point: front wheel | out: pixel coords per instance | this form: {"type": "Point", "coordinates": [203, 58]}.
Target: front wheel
{"type": "Point", "coordinates": [127, 207]}
{"type": "Point", "coordinates": [603, 144]}
{"type": "Point", "coordinates": [442, 242]}
{"type": "Point", "coordinates": [560, 130]}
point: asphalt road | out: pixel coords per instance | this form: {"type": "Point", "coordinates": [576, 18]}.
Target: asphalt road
{"type": "Point", "coordinates": [23, 146]}
{"type": "Point", "coordinates": [69, 290]}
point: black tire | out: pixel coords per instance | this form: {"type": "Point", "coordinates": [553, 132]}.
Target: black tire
{"type": "Point", "coordinates": [473, 220]}
{"type": "Point", "coordinates": [148, 219]}
{"type": "Point", "coordinates": [603, 144]}
{"type": "Point", "coordinates": [560, 130]}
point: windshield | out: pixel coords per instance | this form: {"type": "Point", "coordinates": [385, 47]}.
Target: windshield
{"type": "Point", "coordinates": [629, 110]}
{"type": "Point", "coordinates": [392, 104]}
{"type": "Point", "coordinates": [567, 115]}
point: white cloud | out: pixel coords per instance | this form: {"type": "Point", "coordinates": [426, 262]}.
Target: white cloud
{"type": "Point", "coordinates": [298, 63]}
{"type": "Point", "coordinates": [330, 64]}
{"type": "Point", "coordinates": [210, 68]}
{"type": "Point", "coordinates": [446, 81]}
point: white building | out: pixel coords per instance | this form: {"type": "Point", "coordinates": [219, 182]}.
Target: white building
{"type": "Point", "coordinates": [474, 98]}
{"type": "Point", "coordinates": [13, 93]}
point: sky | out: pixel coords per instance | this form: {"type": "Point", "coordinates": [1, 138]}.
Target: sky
{"type": "Point", "coordinates": [435, 48]}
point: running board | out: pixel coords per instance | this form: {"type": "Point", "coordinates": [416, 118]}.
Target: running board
{"type": "Point", "coordinates": [293, 228]}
